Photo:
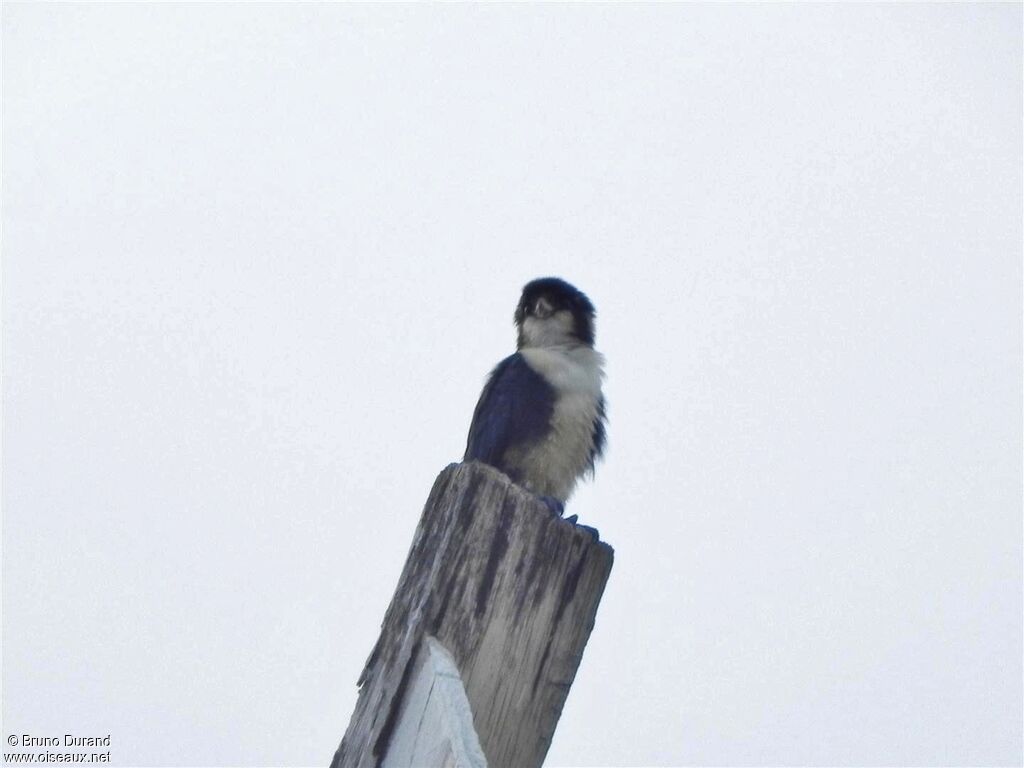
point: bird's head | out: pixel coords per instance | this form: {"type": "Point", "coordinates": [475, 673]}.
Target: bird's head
{"type": "Point", "coordinates": [552, 313]}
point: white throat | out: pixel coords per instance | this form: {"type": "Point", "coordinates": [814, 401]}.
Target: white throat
{"type": "Point", "coordinates": [569, 369]}
{"type": "Point", "coordinates": [556, 330]}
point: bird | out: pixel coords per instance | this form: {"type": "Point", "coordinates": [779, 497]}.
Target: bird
{"type": "Point", "coordinates": [541, 417]}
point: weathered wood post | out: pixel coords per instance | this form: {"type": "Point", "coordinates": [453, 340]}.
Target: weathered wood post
{"type": "Point", "coordinates": [483, 635]}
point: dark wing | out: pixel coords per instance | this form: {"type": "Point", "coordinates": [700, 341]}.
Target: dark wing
{"type": "Point", "coordinates": [514, 408]}
{"type": "Point", "coordinates": [600, 435]}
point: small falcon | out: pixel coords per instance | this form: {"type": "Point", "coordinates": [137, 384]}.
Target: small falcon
{"type": "Point", "coordinates": [541, 416]}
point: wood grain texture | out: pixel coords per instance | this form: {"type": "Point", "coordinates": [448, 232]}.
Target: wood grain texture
{"type": "Point", "coordinates": [511, 592]}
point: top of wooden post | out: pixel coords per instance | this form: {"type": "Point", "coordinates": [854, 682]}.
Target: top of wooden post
{"type": "Point", "coordinates": [511, 591]}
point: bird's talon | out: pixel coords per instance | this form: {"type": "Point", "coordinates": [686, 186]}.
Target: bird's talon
{"type": "Point", "coordinates": [557, 508]}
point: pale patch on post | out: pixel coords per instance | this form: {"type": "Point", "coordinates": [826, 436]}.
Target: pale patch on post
{"type": "Point", "coordinates": [435, 724]}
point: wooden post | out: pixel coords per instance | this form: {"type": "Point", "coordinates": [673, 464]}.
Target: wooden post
{"type": "Point", "coordinates": [497, 594]}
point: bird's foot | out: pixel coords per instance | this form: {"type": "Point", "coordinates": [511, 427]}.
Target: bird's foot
{"type": "Point", "coordinates": [592, 531]}
{"type": "Point", "coordinates": [557, 507]}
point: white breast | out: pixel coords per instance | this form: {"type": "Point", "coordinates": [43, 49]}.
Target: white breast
{"type": "Point", "coordinates": [553, 467]}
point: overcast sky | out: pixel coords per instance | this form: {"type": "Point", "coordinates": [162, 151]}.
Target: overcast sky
{"type": "Point", "coordinates": [257, 260]}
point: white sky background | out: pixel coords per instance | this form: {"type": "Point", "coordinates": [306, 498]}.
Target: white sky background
{"type": "Point", "coordinates": [258, 260]}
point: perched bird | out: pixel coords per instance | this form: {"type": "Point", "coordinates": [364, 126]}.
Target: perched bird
{"type": "Point", "coordinates": [541, 416]}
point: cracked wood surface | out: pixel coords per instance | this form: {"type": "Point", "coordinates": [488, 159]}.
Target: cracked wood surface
{"type": "Point", "coordinates": [511, 592]}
